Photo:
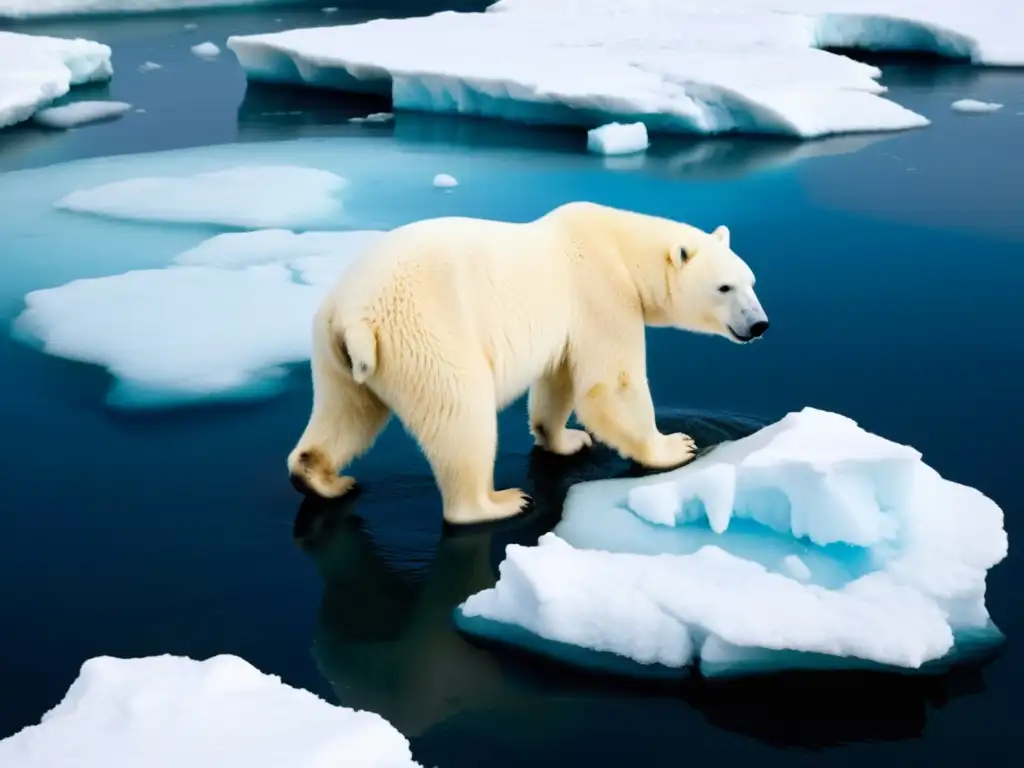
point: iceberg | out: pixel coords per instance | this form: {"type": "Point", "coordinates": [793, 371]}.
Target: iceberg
{"type": "Point", "coordinates": [247, 196]}
{"type": "Point", "coordinates": [172, 711]}
{"type": "Point", "coordinates": [703, 66]}
{"type": "Point", "coordinates": [80, 113]}
{"type": "Point", "coordinates": [36, 70]}
{"type": "Point", "coordinates": [32, 9]}
{"type": "Point", "coordinates": [812, 543]}
{"type": "Point", "coordinates": [220, 323]}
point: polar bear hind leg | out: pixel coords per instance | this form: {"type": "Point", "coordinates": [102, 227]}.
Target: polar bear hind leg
{"type": "Point", "coordinates": [346, 420]}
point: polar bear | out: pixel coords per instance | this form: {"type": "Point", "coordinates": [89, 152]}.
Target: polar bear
{"type": "Point", "coordinates": [445, 321]}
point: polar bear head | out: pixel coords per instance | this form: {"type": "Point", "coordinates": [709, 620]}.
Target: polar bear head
{"type": "Point", "coordinates": [709, 289]}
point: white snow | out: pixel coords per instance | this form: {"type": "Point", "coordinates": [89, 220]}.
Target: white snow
{"type": "Point", "coordinates": [847, 549]}
{"type": "Point", "coordinates": [80, 113]}
{"type": "Point", "coordinates": [701, 66]}
{"type": "Point", "coordinates": [149, 66]}
{"type": "Point", "coordinates": [445, 181]}
{"type": "Point", "coordinates": [221, 322]}
{"type": "Point", "coordinates": [245, 196]}
{"type": "Point", "coordinates": [973, 106]}
{"type": "Point", "coordinates": [172, 711]}
{"type": "Point", "coordinates": [35, 70]}
{"type": "Point", "coordinates": [618, 139]}
{"type": "Point", "coordinates": [205, 50]}
{"type": "Point", "coordinates": [27, 9]}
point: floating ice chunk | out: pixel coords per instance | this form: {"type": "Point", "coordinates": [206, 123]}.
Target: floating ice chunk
{"type": "Point", "coordinates": [445, 181]}
{"type": "Point", "coordinates": [205, 50]}
{"type": "Point", "coordinates": [191, 26]}
{"type": "Point", "coordinates": [244, 197]}
{"type": "Point", "coordinates": [796, 568]}
{"type": "Point", "coordinates": [838, 548]}
{"type": "Point", "coordinates": [35, 70]}
{"type": "Point", "coordinates": [219, 324]}
{"type": "Point", "coordinates": [27, 9]}
{"type": "Point", "coordinates": [149, 66]}
{"type": "Point", "coordinates": [329, 9]}
{"type": "Point", "coordinates": [375, 117]}
{"type": "Point", "coordinates": [699, 67]}
{"type": "Point", "coordinates": [971, 105]}
{"type": "Point", "coordinates": [171, 711]}
{"type": "Point", "coordinates": [618, 139]}
{"type": "Point", "coordinates": [80, 113]}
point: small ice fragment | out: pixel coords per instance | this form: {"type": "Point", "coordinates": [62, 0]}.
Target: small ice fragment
{"type": "Point", "coordinates": [191, 25]}
{"type": "Point", "coordinates": [618, 139]}
{"type": "Point", "coordinates": [795, 567]}
{"type": "Point", "coordinates": [444, 181]}
{"type": "Point", "coordinates": [140, 111]}
{"type": "Point", "coordinates": [975, 106]}
{"type": "Point", "coordinates": [206, 50]}
{"type": "Point", "coordinates": [375, 117]}
{"type": "Point", "coordinates": [329, 9]}
{"type": "Point", "coordinates": [80, 113]}
{"type": "Point", "coordinates": [149, 66]}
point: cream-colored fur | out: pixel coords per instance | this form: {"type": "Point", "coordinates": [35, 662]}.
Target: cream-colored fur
{"type": "Point", "coordinates": [446, 321]}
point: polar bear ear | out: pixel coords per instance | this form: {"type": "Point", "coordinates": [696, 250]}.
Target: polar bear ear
{"type": "Point", "coordinates": [678, 256]}
{"type": "Point", "coordinates": [722, 233]}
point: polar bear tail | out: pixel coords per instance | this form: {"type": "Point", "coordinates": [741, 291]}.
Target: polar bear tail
{"type": "Point", "coordinates": [357, 343]}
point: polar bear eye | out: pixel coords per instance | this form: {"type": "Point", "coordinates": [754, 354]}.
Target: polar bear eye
{"type": "Point", "coordinates": [724, 288]}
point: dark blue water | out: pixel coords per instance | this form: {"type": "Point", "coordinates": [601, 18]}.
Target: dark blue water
{"type": "Point", "coordinates": [892, 274]}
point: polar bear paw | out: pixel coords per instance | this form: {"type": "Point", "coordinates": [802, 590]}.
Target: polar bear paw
{"type": "Point", "coordinates": [670, 451]}
{"type": "Point", "coordinates": [498, 506]}
{"type": "Point", "coordinates": [567, 442]}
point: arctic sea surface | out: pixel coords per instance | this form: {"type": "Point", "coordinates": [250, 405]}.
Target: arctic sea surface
{"type": "Point", "coordinates": [891, 267]}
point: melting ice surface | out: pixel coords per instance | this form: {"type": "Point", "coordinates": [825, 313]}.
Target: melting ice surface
{"type": "Point", "coordinates": [701, 66]}
{"type": "Point", "coordinates": [811, 543]}
{"type": "Point", "coordinates": [170, 711]}
{"type": "Point", "coordinates": [220, 323]}
{"type": "Point", "coordinates": [24, 9]}
{"type": "Point", "coordinates": [35, 70]}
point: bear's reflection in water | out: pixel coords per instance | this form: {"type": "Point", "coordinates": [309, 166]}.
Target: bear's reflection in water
{"type": "Point", "coordinates": [386, 642]}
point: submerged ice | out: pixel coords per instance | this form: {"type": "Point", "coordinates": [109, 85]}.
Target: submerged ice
{"type": "Point", "coordinates": [695, 67]}
{"type": "Point", "coordinates": [220, 323]}
{"type": "Point", "coordinates": [811, 543]}
{"type": "Point", "coordinates": [171, 711]}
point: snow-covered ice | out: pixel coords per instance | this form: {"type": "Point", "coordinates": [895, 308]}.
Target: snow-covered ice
{"type": "Point", "coordinates": [617, 139]}
{"type": "Point", "coordinates": [27, 9]}
{"type": "Point", "coordinates": [219, 323]}
{"type": "Point", "coordinates": [811, 543]}
{"type": "Point", "coordinates": [35, 70]}
{"type": "Point", "coordinates": [206, 50]}
{"type": "Point", "coordinates": [445, 181]}
{"type": "Point", "coordinates": [247, 197]}
{"type": "Point", "coordinates": [701, 66]}
{"type": "Point", "coordinates": [974, 106]}
{"type": "Point", "coordinates": [173, 711]}
{"type": "Point", "coordinates": [80, 113]}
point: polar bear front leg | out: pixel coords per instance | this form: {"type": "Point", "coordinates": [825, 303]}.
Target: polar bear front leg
{"type": "Point", "coordinates": [615, 405]}
{"type": "Point", "coordinates": [550, 405]}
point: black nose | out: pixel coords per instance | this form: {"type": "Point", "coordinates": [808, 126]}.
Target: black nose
{"type": "Point", "coordinates": [757, 329]}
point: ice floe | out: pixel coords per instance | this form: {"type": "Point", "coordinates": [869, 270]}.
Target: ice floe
{"type": "Point", "coordinates": [35, 70]}
{"type": "Point", "coordinates": [172, 711]}
{"type": "Point", "coordinates": [811, 543]}
{"type": "Point", "coordinates": [701, 67]}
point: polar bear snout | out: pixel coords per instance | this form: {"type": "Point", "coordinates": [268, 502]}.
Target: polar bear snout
{"type": "Point", "coordinates": [758, 328]}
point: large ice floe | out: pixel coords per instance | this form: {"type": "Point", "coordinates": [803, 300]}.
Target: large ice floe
{"type": "Point", "coordinates": [221, 323]}
{"type": "Point", "coordinates": [171, 711]}
{"type": "Point", "coordinates": [35, 70]}
{"type": "Point", "coordinates": [700, 66]}
{"type": "Point", "coordinates": [809, 544]}
{"type": "Point", "coordinates": [29, 9]}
